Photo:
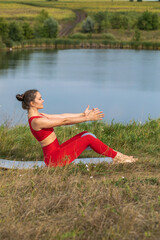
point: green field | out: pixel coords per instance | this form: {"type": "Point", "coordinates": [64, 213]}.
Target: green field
{"type": "Point", "coordinates": [62, 10]}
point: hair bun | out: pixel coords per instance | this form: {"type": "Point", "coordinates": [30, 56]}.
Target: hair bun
{"type": "Point", "coordinates": [20, 97]}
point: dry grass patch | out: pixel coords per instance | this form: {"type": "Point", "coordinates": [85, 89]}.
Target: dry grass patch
{"type": "Point", "coordinates": [78, 202]}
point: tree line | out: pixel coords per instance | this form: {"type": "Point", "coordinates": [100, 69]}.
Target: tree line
{"type": "Point", "coordinates": [100, 21]}
{"type": "Point", "coordinates": [44, 26]}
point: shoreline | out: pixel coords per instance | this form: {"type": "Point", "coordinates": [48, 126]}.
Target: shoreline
{"type": "Point", "coordinates": [60, 44]}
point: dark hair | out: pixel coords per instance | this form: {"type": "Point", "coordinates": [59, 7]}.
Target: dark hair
{"type": "Point", "coordinates": [26, 98]}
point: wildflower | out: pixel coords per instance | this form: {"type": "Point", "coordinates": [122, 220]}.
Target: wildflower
{"type": "Point", "coordinates": [122, 177]}
{"type": "Point", "coordinates": [91, 176]}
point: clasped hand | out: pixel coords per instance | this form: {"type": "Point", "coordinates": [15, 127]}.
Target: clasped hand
{"type": "Point", "coordinates": [94, 114]}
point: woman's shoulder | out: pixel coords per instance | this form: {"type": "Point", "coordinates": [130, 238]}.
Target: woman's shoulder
{"type": "Point", "coordinates": [30, 118]}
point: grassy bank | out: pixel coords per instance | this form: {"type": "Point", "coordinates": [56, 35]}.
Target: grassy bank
{"type": "Point", "coordinates": [84, 43]}
{"type": "Point", "coordinates": [82, 202]}
{"type": "Point", "coordinates": [141, 140]}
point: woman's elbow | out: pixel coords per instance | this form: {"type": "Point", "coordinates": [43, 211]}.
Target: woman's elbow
{"type": "Point", "coordinates": [65, 121]}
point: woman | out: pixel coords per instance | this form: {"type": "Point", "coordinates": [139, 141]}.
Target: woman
{"type": "Point", "coordinates": [41, 126]}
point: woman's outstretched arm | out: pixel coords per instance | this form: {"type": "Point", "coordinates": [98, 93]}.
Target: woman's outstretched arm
{"type": "Point", "coordinates": [65, 115]}
{"type": "Point", "coordinates": [93, 115]}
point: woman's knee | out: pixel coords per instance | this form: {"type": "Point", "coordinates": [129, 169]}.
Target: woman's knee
{"type": "Point", "coordinates": [88, 134]}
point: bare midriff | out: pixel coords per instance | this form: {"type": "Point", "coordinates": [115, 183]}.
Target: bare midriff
{"type": "Point", "coordinates": [48, 140]}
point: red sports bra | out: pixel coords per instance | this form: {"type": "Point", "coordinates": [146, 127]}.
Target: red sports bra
{"type": "Point", "coordinates": [40, 134]}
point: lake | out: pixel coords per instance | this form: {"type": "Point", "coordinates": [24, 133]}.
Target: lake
{"type": "Point", "coordinates": [125, 84]}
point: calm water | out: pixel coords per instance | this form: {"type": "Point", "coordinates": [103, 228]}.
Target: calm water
{"type": "Point", "coordinates": [125, 84]}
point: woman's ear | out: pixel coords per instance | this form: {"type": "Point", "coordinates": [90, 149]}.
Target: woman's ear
{"type": "Point", "coordinates": [31, 104]}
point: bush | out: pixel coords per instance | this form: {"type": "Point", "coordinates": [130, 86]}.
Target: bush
{"type": "Point", "coordinates": [2, 45]}
{"type": "Point", "coordinates": [137, 35]}
{"type": "Point", "coordinates": [119, 21]}
{"type": "Point", "coordinates": [79, 36]}
{"type": "Point", "coordinates": [15, 32]}
{"type": "Point", "coordinates": [88, 25]}
{"type": "Point", "coordinates": [148, 21]}
{"type": "Point", "coordinates": [8, 42]}
{"type": "Point", "coordinates": [109, 36]}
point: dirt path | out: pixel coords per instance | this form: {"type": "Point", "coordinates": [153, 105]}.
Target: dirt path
{"type": "Point", "coordinates": [68, 27]}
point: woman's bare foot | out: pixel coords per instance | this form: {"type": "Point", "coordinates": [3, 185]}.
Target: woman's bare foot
{"type": "Point", "coordinates": [121, 158]}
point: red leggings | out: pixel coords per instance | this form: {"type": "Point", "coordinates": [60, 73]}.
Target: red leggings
{"type": "Point", "coordinates": [60, 155]}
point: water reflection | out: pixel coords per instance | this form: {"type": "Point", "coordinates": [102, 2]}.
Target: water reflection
{"type": "Point", "coordinates": [124, 83]}
{"type": "Point", "coordinates": [13, 59]}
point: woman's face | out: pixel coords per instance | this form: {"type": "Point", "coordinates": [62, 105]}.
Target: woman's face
{"type": "Point", "coordinates": [38, 101]}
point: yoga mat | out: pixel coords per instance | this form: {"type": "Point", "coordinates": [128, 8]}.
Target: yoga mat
{"type": "Point", "coordinates": [10, 164]}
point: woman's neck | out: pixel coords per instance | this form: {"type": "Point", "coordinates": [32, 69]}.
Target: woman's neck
{"type": "Point", "coordinates": [32, 112]}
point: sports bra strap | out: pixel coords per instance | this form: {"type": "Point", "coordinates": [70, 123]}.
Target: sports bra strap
{"type": "Point", "coordinates": [40, 134]}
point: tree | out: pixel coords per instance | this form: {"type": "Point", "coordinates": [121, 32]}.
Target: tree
{"type": "Point", "coordinates": [88, 25]}
{"type": "Point", "coordinates": [38, 30]}
{"type": "Point", "coordinates": [119, 21]}
{"type": "Point", "coordinates": [155, 21]}
{"type": "Point", "coordinates": [45, 26]}
{"type": "Point", "coordinates": [27, 31]}
{"type": "Point", "coordinates": [148, 21]}
{"type": "Point", "coordinates": [42, 16]}
{"type": "Point", "coordinates": [50, 28]}
{"type": "Point", "coordinates": [100, 18]}
{"type": "Point", "coordinates": [15, 32]}
{"type": "Point", "coordinates": [4, 29]}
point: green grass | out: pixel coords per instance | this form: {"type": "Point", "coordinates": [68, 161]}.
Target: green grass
{"type": "Point", "coordinates": [142, 140]}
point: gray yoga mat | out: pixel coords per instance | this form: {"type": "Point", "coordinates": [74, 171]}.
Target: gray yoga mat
{"type": "Point", "coordinates": [10, 164]}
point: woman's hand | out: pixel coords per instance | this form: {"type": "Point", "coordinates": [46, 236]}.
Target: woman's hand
{"type": "Point", "coordinates": [95, 114]}
{"type": "Point", "coordinates": [87, 111]}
